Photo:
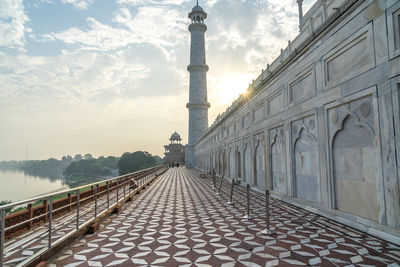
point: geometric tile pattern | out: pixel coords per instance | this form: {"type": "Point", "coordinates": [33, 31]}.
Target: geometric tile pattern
{"type": "Point", "coordinates": [21, 247]}
{"type": "Point", "coordinates": [180, 221]}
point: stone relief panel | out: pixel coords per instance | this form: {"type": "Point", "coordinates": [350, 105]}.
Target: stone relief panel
{"type": "Point", "coordinates": [275, 104]}
{"type": "Point", "coordinates": [393, 23]}
{"type": "Point", "coordinates": [278, 160]}
{"type": "Point", "coordinates": [352, 57]}
{"type": "Point", "coordinates": [259, 113]}
{"type": "Point", "coordinates": [303, 87]}
{"type": "Point", "coordinates": [246, 121]}
{"type": "Point", "coordinates": [231, 129]}
{"type": "Point", "coordinates": [237, 125]}
{"type": "Point", "coordinates": [354, 153]}
{"type": "Point", "coordinates": [305, 159]}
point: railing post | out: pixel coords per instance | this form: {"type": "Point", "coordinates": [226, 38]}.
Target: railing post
{"type": "Point", "coordinates": [129, 185]}
{"type": "Point", "coordinates": [95, 201]}
{"type": "Point", "coordinates": [46, 217]}
{"type": "Point", "coordinates": [108, 195]}
{"type": "Point", "coordinates": [77, 207]}
{"type": "Point", "coordinates": [3, 227]}
{"type": "Point", "coordinates": [124, 186]}
{"type": "Point", "coordinates": [220, 185]}
{"type": "Point", "coordinates": [230, 202]}
{"type": "Point", "coordinates": [117, 190]}
{"type": "Point", "coordinates": [70, 202]}
{"type": "Point", "coordinates": [50, 218]}
{"type": "Point", "coordinates": [268, 230]}
{"type": "Point", "coordinates": [30, 211]}
{"type": "Point", "coordinates": [247, 216]}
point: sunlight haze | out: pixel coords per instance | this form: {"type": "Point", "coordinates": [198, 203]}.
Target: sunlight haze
{"type": "Point", "coordinates": [106, 77]}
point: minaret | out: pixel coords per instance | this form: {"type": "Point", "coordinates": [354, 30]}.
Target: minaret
{"type": "Point", "coordinates": [198, 105]}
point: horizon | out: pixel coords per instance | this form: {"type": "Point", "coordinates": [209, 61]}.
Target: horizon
{"type": "Point", "coordinates": [110, 77]}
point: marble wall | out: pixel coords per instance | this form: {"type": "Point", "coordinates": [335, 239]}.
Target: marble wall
{"type": "Point", "coordinates": [320, 126]}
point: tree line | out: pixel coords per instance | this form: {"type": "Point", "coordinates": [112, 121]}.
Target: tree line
{"type": "Point", "coordinates": [84, 168]}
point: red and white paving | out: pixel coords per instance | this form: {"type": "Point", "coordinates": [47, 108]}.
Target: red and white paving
{"type": "Point", "coordinates": [179, 220]}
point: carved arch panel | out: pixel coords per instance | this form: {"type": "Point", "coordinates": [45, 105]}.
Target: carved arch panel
{"type": "Point", "coordinates": [232, 162]}
{"type": "Point", "coordinates": [305, 159]}
{"type": "Point", "coordinates": [247, 162]}
{"type": "Point", "coordinates": [277, 159]}
{"type": "Point", "coordinates": [354, 154]}
{"type": "Point", "coordinates": [259, 161]}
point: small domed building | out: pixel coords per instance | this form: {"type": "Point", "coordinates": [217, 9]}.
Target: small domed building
{"type": "Point", "coordinates": [175, 151]}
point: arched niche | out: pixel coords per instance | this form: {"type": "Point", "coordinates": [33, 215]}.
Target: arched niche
{"type": "Point", "coordinates": [232, 163]}
{"type": "Point", "coordinates": [306, 169]}
{"type": "Point", "coordinates": [247, 163]}
{"type": "Point", "coordinates": [238, 156]}
{"type": "Point", "coordinates": [224, 163]}
{"type": "Point", "coordinates": [259, 164]}
{"type": "Point", "coordinates": [278, 162]}
{"type": "Point", "coordinates": [355, 166]}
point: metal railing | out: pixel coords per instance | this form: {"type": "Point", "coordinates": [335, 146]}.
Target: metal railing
{"type": "Point", "coordinates": [88, 208]}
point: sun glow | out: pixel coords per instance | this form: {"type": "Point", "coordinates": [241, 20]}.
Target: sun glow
{"type": "Point", "coordinates": [228, 87]}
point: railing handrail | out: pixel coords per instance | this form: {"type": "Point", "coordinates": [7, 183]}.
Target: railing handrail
{"type": "Point", "coordinates": [43, 197]}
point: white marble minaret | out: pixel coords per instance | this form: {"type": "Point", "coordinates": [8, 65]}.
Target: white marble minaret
{"type": "Point", "coordinates": [198, 105]}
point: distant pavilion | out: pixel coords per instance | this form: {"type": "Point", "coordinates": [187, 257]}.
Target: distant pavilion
{"type": "Point", "coordinates": [175, 151]}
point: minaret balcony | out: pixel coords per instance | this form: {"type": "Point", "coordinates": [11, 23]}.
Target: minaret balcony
{"type": "Point", "coordinates": [202, 67]}
{"type": "Point", "coordinates": [197, 26]}
{"type": "Point", "coordinates": [198, 105]}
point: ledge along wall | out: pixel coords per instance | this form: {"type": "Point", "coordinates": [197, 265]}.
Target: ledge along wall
{"type": "Point", "coordinates": [320, 126]}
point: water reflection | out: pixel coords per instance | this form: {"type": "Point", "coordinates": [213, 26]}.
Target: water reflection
{"type": "Point", "coordinates": [17, 185]}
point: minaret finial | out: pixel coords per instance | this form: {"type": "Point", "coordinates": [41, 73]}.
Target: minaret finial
{"type": "Point", "coordinates": [197, 2]}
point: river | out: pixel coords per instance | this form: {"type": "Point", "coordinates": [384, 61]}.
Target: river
{"type": "Point", "coordinates": [16, 185]}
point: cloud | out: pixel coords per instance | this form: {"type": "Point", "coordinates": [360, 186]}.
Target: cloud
{"type": "Point", "coordinates": [73, 77]}
{"type": "Point", "coordinates": [161, 27]}
{"type": "Point", "coordinates": [121, 73]}
{"type": "Point", "coordinates": [12, 24]}
{"type": "Point", "coordinates": [79, 4]}
{"type": "Point", "coordinates": [99, 37]}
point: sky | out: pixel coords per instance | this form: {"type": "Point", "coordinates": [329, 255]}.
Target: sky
{"type": "Point", "coordinates": [109, 76]}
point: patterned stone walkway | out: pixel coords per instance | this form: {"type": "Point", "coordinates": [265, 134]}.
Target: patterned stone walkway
{"type": "Point", "coordinates": [21, 247]}
{"type": "Point", "coordinates": [180, 221]}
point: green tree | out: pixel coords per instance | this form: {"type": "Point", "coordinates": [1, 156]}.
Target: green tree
{"type": "Point", "coordinates": [139, 160]}
{"type": "Point", "coordinates": [89, 168]}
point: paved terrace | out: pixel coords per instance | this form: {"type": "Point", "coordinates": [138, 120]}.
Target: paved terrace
{"type": "Point", "coordinates": [179, 220]}
{"type": "Point", "coordinates": [20, 248]}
